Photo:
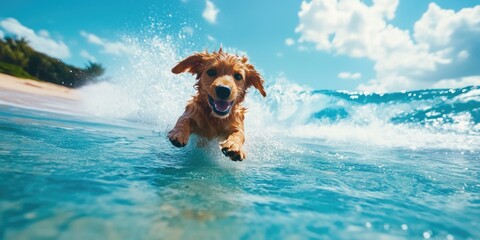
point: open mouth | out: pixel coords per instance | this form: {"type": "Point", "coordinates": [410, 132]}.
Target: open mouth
{"type": "Point", "coordinates": [220, 107]}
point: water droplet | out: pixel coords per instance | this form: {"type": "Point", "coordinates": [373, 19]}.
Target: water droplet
{"type": "Point", "coordinates": [426, 235]}
{"type": "Point", "coordinates": [404, 227]}
{"type": "Point", "coordinates": [386, 226]}
{"type": "Point", "coordinates": [368, 225]}
{"type": "Point", "coordinates": [358, 208]}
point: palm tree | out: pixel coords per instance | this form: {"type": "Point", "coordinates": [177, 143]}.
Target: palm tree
{"type": "Point", "coordinates": [94, 70]}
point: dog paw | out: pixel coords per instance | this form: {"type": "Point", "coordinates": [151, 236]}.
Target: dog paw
{"type": "Point", "coordinates": [232, 150]}
{"type": "Point", "coordinates": [177, 138]}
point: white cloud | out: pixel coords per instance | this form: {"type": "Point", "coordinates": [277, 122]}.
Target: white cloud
{"type": "Point", "coordinates": [91, 38]}
{"type": "Point", "coordinates": [210, 12]}
{"type": "Point", "coordinates": [40, 42]}
{"type": "Point", "coordinates": [289, 41]}
{"type": "Point", "coordinates": [457, 83]}
{"type": "Point", "coordinates": [302, 48]}
{"type": "Point", "coordinates": [211, 38]}
{"type": "Point", "coordinates": [115, 48]}
{"type": "Point", "coordinates": [443, 45]}
{"type": "Point", "coordinates": [348, 75]}
{"type": "Point", "coordinates": [385, 8]}
{"type": "Point", "coordinates": [463, 55]}
{"type": "Point", "coordinates": [44, 33]}
{"type": "Point", "coordinates": [88, 56]}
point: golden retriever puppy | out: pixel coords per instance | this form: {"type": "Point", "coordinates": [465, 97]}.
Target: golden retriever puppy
{"type": "Point", "coordinates": [216, 110]}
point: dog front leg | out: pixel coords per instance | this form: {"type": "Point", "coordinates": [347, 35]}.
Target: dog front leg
{"type": "Point", "coordinates": [180, 134]}
{"type": "Point", "coordinates": [232, 147]}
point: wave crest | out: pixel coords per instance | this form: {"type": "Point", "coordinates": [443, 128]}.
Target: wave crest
{"type": "Point", "coordinates": [144, 90]}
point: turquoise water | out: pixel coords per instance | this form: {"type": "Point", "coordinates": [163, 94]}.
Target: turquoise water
{"type": "Point", "coordinates": [320, 164]}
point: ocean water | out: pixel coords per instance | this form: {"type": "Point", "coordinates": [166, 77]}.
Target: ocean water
{"type": "Point", "coordinates": [320, 163]}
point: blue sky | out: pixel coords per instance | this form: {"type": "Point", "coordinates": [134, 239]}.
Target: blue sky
{"type": "Point", "coordinates": [375, 45]}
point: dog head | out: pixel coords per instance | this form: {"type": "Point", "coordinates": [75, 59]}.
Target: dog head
{"type": "Point", "coordinates": [222, 79]}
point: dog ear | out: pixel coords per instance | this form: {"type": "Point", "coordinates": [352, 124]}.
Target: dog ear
{"type": "Point", "coordinates": [255, 79]}
{"type": "Point", "coordinates": [192, 64]}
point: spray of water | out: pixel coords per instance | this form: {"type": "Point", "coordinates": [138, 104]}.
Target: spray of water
{"type": "Point", "coordinates": [144, 90]}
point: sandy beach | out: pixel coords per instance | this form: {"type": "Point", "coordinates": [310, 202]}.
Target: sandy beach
{"type": "Point", "coordinates": [34, 94]}
{"type": "Point", "coordinates": [28, 86]}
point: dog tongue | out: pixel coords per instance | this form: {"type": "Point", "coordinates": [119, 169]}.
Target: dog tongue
{"type": "Point", "coordinates": [221, 106]}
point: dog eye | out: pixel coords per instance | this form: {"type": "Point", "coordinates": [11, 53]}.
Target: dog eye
{"type": "Point", "coordinates": [237, 76]}
{"type": "Point", "coordinates": [212, 72]}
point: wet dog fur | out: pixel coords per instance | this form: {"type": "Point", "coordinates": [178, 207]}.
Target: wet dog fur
{"type": "Point", "coordinates": [216, 111]}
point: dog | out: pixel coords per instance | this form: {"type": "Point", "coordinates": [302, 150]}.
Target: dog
{"type": "Point", "coordinates": [216, 111]}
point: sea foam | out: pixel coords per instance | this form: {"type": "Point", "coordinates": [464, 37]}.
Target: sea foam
{"type": "Point", "coordinates": [144, 90]}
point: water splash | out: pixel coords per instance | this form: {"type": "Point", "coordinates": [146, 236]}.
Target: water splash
{"type": "Point", "coordinates": [144, 90]}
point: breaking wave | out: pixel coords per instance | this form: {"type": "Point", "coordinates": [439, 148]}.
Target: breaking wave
{"type": "Point", "coordinates": [144, 90]}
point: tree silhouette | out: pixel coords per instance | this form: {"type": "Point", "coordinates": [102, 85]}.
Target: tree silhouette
{"type": "Point", "coordinates": [94, 70]}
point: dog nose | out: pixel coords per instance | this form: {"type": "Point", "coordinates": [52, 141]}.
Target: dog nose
{"type": "Point", "coordinates": [222, 92]}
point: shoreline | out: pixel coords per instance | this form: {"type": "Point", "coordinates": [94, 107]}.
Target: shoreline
{"type": "Point", "coordinates": [22, 85]}
{"type": "Point", "coordinates": [38, 95]}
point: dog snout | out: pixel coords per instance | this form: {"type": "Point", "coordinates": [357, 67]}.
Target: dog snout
{"type": "Point", "coordinates": [222, 92]}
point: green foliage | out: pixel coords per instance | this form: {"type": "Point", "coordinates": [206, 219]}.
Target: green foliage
{"type": "Point", "coordinates": [14, 70]}
{"type": "Point", "coordinates": [17, 58]}
{"type": "Point", "coordinates": [92, 70]}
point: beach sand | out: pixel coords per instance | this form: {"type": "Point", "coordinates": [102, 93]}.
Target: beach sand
{"type": "Point", "coordinates": [38, 95]}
